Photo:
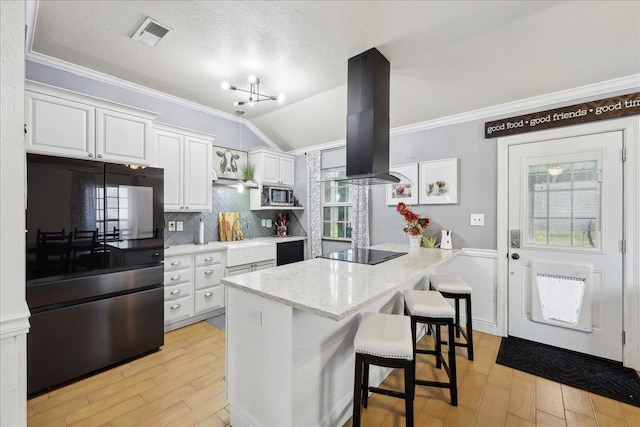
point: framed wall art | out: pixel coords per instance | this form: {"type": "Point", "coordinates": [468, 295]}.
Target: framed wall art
{"type": "Point", "coordinates": [407, 189]}
{"type": "Point", "coordinates": [228, 163]}
{"type": "Point", "coordinates": [438, 182]}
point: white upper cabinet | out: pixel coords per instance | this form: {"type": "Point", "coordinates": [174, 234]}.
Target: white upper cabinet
{"type": "Point", "coordinates": [187, 161]}
{"type": "Point", "coordinates": [272, 167]}
{"type": "Point", "coordinates": [123, 137]}
{"type": "Point", "coordinates": [63, 123]}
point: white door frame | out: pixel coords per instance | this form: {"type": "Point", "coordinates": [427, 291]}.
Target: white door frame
{"type": "Point", "coordinates": [630, 128]}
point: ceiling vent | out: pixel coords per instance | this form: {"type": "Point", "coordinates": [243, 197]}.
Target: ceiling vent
{"type": "Point", "coordinates": [151, 32]}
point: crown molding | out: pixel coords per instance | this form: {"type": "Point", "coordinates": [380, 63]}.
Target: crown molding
{"type": "Point", "coordinates": [542, 101]}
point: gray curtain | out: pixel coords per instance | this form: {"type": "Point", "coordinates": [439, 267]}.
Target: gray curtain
{"type": "Point", "coordinates": [314, 205]}
{"type": "Point", "coordinates": [360, 216]}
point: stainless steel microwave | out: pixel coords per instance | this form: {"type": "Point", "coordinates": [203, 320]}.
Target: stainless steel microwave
{"type": "Point", "coordinates": [279, 196]}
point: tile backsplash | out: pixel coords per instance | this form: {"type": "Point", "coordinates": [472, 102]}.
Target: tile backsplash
{"type": "Point", "coordinates": [226, 199]}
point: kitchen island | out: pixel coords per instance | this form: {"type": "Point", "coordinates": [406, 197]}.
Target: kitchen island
{"type": "Point", "coordinates": [290, 329]}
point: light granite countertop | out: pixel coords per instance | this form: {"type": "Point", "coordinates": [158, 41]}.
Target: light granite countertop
{"type": "Point", "coordinates": [222, 246]}
{"type": "Point", "coordinates": [336, 289]}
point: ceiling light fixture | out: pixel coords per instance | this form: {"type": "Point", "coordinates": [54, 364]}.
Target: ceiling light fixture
{"type": "Point", "coordinates": [555, 171]}
{"type": "Point", "coordinates": [254, 93]}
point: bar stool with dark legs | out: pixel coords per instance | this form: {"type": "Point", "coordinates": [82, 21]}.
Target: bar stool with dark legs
{"type": "Point", "coordinates": [455, 288]}
{"type": "Point", "coordinates": [430, 308]}
{"type": "Point", "coordinates": [383, 340]}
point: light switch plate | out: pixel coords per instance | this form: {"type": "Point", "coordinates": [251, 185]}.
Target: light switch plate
{"type": "Point", "coordinates": [476, 219]}
{"type": "Point", "coordinates": [179, 226]}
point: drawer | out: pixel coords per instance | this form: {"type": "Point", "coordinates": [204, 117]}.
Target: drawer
{"type": "Point", "coordinates": [209, 258]}
{"type": "Point", "coordinates": [177, 291]}
{"type": "Point", "coordinates": [209, 275]}
{"type": "Point", "coordinates": [178, 276]}
{"type": "Point", "coordinates": [177, 262]}
{"type": "Point", "coordinates": [209, 299]}
{"type": "Point", "coordinates": [178, 309]}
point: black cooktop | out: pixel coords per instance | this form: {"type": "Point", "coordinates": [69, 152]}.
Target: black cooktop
{"type": "Point", "coordinates": [363, 255]}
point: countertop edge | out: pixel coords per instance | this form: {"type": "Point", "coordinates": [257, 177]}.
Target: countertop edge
{"type": "Point", "coordinates": [350, 311]}
{"type": "Point", "coordinates": [191, 248]}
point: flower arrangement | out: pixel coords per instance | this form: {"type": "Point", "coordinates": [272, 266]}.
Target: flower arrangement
{"type": "Point", "coordinates": [414, 224]}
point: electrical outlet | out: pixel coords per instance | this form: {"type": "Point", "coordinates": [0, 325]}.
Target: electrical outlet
{"type": "Point", "coordinates": [255, 316]}
{"type": "Point", "coordinates": [179, 226]}
{"type": "Point", "coordinates": [476, 219]}
{"type": "Point", "coordinates": [171, 226]}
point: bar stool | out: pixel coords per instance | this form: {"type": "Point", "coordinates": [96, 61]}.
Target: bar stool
{"type": "Point", "coordinates": [456, 288]}
{"type": "Point", "coordinates": [430, 308]}
{"type": "Point", "coordinates": [383, 340]}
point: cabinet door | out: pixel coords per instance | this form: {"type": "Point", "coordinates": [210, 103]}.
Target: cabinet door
{"type": "Point", "coordinates": [59, 127]}
{"type": "Point", "coordinates": [122, 137]}
{"type": "Point", "coordinates": [270, 169]}
{"type": "Point", "coordinates": [286, 171]}
{"type": "Point", "coordinates": [197, 174]}
{"type": "Point", "coordinates": [169, 155]}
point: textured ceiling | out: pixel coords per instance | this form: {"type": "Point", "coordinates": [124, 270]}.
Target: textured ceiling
{"type": "Point", "coordinates": [447, 57]}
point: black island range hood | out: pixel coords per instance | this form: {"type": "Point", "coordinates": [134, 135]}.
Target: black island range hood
{"type": "Point", "coordinates": [368, 119]}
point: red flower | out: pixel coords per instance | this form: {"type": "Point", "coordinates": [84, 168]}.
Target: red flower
{"type": "Point", "coordinates": [414, 224]}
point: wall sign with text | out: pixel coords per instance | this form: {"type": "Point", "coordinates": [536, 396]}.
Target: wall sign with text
{"type": "Point", "coordinates": [609, 108]}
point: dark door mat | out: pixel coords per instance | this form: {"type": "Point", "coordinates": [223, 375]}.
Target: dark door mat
{"type": "Point", "coordinates": [592, 374]}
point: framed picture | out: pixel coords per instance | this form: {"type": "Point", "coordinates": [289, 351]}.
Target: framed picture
{"type": "Point", "coordinates": [438, 182]}
{"type": "Point", "coordinates": [228, 163]}
{"type": "Point", "coordinates": [407, 189]}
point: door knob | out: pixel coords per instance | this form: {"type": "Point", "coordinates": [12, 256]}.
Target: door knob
{"type": "Point", "coordinates": [515, 256]}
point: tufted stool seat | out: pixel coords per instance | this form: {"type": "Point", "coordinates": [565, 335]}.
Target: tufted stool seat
{"type": "Point", "coordinates": [383, 340]}
{"type": "Point", "coordinates": [455, 288]}
{"type": "Point", "coordinates": [430, 308]}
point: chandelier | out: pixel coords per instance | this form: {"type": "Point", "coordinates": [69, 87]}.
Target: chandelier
{"type": "Point", "coordinates": [254, 93]}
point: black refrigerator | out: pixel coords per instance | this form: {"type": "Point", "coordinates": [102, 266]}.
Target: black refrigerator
{"type": "Point", "coordinates": [95, 248]}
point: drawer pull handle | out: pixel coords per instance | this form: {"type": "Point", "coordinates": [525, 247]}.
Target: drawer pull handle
{"type": "Point", "coordinates": [176, 277]}
{"type": "Point", "coordinates": [208, 272]}
{"type": "Point", "coordinates": [209, 258]}
{"type": "Point", "coordinates": [156, 255]}
{"type": "Point", "coordinates": [208, 294]}
{"type": "Point", "coordinates": [175, 292]}
{"type": "Point", "coordinates": [176, 306]}
{"type": "Point", "coordinates": [176, 263]}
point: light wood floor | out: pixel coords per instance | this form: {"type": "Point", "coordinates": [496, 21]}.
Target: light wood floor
{"type": "Point", "coordinates": [182, 385]}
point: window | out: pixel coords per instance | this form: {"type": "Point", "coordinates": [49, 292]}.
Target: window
{"type": "Point", "coordinates": [336, 206]}
{"type": "Point", "coordinates": [564, 204]}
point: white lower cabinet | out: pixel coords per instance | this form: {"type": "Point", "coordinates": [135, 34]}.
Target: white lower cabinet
{"type": "Point", "coordinates": [192, 288]}
{"type": "Point", "coordinates": [248, 268]}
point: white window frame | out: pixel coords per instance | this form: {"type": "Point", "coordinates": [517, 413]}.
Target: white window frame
{"type": "Point", "coordinates": [336, 204]}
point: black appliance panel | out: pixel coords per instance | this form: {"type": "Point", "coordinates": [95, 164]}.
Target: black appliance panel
{"type": "Point", "coordinates": [62, 212]}
{"type": "Point", "coordinates": [363, 255]}
{"type": "Point", "coordinates": [71, 342]}
{"type": "Point", "coordinates": [87, 217]}
{"type": "Point", "coordinates": [49, 294]}
{"type": "Point", "coordinates": [289, 252]}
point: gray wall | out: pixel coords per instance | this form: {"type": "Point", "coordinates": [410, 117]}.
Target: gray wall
{"type": "Point", "coordinates": [476, 186]}
{"type": "Point", "coordinates": [477, 181]}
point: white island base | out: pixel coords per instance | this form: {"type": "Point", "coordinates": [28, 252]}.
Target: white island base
{"type": "Point", "coordinates": [290, 330]}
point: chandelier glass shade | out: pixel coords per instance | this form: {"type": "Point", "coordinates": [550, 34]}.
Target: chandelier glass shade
{"type": "Point", "coordinates": [254, 93]}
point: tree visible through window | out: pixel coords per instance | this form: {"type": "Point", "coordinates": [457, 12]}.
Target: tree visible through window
{"type": "Point", "coordinates": [336, 206]}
